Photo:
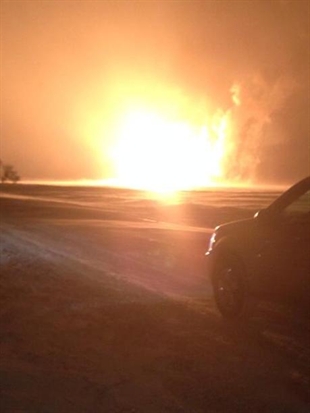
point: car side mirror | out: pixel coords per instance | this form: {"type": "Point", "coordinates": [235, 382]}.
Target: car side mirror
{"type": "Point", "coordinates": [262, 215]}
{"type": "Point", "coordinates": [266, 216]}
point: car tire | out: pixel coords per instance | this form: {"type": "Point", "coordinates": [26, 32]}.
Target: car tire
{"type": "Point", "coordinates": [230, 287]}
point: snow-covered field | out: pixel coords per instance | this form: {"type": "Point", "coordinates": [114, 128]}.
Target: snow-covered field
{"type": "Point", "coordinates": [106, 307]}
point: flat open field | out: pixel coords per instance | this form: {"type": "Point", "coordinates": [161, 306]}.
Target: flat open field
{"type": "Point", "coordinates": [106, 307]}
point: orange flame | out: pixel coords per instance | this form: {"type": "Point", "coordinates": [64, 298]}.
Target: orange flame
{"type": "Point", "coordinates": [162, 154]}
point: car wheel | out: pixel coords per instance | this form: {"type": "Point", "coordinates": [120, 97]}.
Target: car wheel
{"type": "Point", "coordinates": [229, 286]}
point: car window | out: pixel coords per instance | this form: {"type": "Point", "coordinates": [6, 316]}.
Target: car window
{"type": "Point", "coordinates": [299, 208]}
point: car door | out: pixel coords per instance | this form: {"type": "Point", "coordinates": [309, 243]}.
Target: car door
{"type": "Point", "coordinates": [284, 249]}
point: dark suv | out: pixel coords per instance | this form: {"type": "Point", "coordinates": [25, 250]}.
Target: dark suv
{"type": "Point", "coordinates": [266, 256]}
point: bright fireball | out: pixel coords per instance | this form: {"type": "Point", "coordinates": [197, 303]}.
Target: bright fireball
{"type": "Point", "coordinates": [158, 154]}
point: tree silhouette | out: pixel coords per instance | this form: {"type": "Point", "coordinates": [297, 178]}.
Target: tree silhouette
{"type": "Point", "coordinates": [8, 173]}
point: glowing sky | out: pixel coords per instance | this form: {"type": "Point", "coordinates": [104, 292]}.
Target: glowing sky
{"type": "Point", "coordinates": [72, 71]}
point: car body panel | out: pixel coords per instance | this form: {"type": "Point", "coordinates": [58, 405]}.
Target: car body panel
{"type": "Point", "coordinates": [274, 246]}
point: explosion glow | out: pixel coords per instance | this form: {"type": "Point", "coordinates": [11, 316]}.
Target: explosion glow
{"type": "Point", "coordinates": [164, 155]}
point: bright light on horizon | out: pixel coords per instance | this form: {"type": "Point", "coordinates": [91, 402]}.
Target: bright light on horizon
{"type": "Point", "coordinates": [164, 155]}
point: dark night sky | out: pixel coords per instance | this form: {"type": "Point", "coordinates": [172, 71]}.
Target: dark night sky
{"type": "Point", "coordinates": [65, 67]}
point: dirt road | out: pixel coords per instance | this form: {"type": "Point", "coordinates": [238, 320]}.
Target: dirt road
{"type": "Point", "coordinates": [106, 315]}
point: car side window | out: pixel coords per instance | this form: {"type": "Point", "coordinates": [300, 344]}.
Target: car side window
{"type": "Point", "coordinates": [299, 209]}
